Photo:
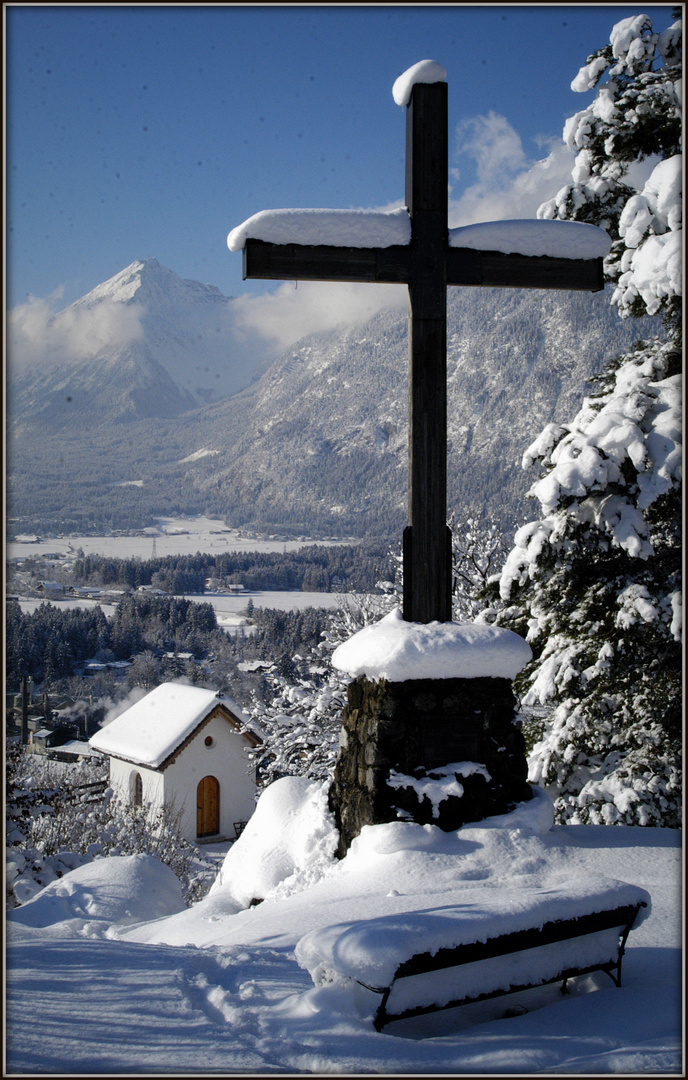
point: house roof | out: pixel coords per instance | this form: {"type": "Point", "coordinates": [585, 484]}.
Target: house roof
{"type": "Point", "coordinates": [153, 728]}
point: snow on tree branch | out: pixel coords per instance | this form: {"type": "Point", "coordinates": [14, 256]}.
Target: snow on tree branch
{"type": "Point", "coordinates": [635, 117]}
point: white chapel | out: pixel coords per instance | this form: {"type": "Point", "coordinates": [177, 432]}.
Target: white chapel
{"type": "Point", "coordinates": [184, 747]}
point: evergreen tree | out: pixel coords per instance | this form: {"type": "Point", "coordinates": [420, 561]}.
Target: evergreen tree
{"type": "Point", "coordinates": [594, 584]}
{"type": "Point", "coordinates": [627, 172]}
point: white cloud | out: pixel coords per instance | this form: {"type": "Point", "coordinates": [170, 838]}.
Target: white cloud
{"type": "Point", "coordinates": [494, 144]}
{"type": "Point", "coordinates": [509, 185]}
{"type": "Point", "coordinates": [291, 312]}
{"type": "Point", "coordinates": [40, 337]}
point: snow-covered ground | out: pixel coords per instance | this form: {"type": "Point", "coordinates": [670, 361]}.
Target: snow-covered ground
{"type": "Point", "coordinates": [106, 973]}
{"type": "Point", "coordinates": [173, 536]}
{"type": "Point", "coordinates": [283, 600]}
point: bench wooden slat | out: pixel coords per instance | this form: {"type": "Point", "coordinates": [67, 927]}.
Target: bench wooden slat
{"type": "Point", "coordinates": [621, 919]}
{"type": "Point", "coordinates": [516, 942]}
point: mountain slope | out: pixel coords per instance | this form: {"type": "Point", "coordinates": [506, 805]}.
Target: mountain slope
{"type": "Point", "coordinates": [318, 443]}
{"type": "Point", "coordinates": [322, 436]}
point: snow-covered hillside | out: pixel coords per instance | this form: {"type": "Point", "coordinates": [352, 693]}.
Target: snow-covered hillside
{"type": "Point", "coordinates": [106, 973]}
{"type": "Point", "coordinates": [324, 431]}
{"type": "Point", "coordinates": [318, 442]}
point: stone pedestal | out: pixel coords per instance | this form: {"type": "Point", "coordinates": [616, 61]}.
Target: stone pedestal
{"type": "Point", "coordinates": [407, 733]}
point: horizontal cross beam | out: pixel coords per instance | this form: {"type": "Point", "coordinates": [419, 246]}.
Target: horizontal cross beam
{"type": "Point", "coordinates": [392, 265]}
{"type": "Point", "coordinates": [300, 262]}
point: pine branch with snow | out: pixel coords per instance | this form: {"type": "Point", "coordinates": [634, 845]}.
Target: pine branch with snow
{"type": "Point", "coordinates": [627, 171]}
{"type": "Point", "coordinates": [595, 582]}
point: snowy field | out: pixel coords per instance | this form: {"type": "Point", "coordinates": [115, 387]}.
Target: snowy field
{"type": "Point", "coordinates": [179, 536]}
{"type": "Point", "coordinates": [227, 607]}
{"type": "Point", "coordinates": [107, 973]}
{"type": "Point", "coordinates": [173, 536]}
{"type": "Point", "coordinates": [31, 605]}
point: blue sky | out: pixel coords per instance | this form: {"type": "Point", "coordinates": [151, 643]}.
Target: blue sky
{"type": "Point", "coordinates": [150, 131]}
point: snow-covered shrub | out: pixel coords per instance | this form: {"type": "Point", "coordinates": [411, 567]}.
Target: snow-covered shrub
{"type": "Point", "coordinates": [55, 825]}
{"type": "Point", "coordinates": [478, 553]}
{"type": "Point", "coordinates": [300, 713]}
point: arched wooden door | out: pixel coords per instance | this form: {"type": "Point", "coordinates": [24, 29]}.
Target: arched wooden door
{"type": "Point", "coordinates": [208, 807]}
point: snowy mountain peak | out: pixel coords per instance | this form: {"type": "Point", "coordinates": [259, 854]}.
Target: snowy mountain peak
{"type": "Point", "coordinates": [146, 282]}
{"type": "Point", "coordinates": [144, 343]}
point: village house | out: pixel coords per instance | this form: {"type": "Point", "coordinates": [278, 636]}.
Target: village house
{"type": "Point", "coordinates": [62, 743]}
{"type": "Point", "coordinates": [183, 747]}
{"type": "Point", "coordinates": [88, 592]}
{"type": "Point", "coordinates": [51, 588]}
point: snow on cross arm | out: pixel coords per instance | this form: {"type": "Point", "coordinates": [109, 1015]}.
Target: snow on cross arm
{"type": "Point", "coordinates": [397, 650]}
{"type": "Point", "coordinates": [350, 228]}
{"type": "Point", "coordinates": [372, 228]}
{"type": "Point", "coordinates": [556, 239]}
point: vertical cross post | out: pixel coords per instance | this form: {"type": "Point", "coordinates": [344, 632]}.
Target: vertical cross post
{"type": "Point", "coordinates": [427, 540]}
{"type": "Point", "coordinates": [428, 264]}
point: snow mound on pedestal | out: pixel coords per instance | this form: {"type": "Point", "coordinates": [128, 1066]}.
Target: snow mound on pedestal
{"type": "Point", "coordinates": [398, 651]}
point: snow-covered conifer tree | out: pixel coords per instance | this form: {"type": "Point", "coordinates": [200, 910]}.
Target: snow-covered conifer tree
{"type": "Point", "coordinates": [595, 582]}
{"type": "Point", "coordinates": [300, 713]}
{"type": "Point", "coordinates": [627, 172]}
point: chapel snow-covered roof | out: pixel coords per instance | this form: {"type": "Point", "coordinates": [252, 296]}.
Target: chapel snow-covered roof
{"type": "Point", "coordinates": [158, 724]}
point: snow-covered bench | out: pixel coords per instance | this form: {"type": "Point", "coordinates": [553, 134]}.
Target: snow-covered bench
{"type": "Point", "coordinates": [493, 942]}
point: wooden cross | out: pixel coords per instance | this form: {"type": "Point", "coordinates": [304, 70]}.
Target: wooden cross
{"type": "Point", "coordinates": [427, 265]}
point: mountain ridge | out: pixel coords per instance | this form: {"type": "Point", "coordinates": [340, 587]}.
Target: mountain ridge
{"type": "Point", "coordinates": [318, 442]}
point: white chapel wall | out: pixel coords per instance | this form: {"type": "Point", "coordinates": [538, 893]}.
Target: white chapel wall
{"type": "Point", "coordinates": [224, 759]}
{"type": "Point", "coordinates": [121, 780]}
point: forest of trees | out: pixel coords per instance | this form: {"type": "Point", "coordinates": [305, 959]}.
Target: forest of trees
{"type": "Point", "coordinates": [51, 643]}
{"type": "Point", "coordinates": [315, 568]}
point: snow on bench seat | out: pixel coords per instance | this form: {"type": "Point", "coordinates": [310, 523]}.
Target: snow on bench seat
{"type": "Point", "coordinates": [502, 940]}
